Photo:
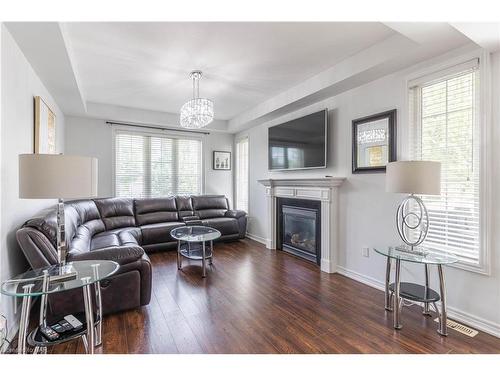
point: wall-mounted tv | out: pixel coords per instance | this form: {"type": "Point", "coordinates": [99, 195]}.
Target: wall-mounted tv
{"type": "Point", "coordinates": [299, 143]}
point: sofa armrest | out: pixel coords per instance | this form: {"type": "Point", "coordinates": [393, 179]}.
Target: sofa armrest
{"type": "Point", "coordinates": [120, 254]}
{"type": "Point", "coordinates": [235, 213]}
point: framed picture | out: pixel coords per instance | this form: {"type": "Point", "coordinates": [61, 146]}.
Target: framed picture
{"type": "Point", "coordinates": [222, 160]}
{"type": "Point", "coordinates": [373, 142]}
{"type": "Point", "coordinates": [45, 128]}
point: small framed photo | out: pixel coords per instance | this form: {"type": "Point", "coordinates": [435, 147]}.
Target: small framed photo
{"type": "Point", "coordinates": [222, 160]}
{"type": "Point", "coordinates": [373, 142]}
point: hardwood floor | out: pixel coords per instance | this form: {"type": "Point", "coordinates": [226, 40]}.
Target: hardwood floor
{"type": "Point", "coordinates": [259, 301]}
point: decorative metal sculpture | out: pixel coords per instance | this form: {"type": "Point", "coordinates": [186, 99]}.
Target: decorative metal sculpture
{"type": "Point", "coordinates": [412, 223]}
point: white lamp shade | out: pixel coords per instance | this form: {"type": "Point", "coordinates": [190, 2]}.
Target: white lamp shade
{"type": "Point", "coordinates": [47, 176]}
{"type": "Point", "coordinates": [413, 177]}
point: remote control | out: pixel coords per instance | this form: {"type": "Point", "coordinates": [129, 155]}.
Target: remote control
{"type": "Point", "coordinates": [75, 323]}
{"type": "Point", "coordinates": [58, 328]}
{"type": "Point", "coordinates": [64, 323]}
{"type": "Point", "coordinates": [49, 333]}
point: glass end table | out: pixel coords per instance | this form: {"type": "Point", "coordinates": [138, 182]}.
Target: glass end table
{"type": "Point", "coordinates": [397, 291]}
{"type": "Point", "coordinates": [189, 239]}
{"type": "Point", "coordinates": [42, 282]}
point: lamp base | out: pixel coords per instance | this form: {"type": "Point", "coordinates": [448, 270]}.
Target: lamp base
{"type": "Point", "coordinates": [412, 250]}
{"type": "Point", "coordinates": [66, 272]}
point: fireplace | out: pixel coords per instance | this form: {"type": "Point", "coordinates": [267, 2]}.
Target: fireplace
{"type": "Point", "coordinates": [299, 228]}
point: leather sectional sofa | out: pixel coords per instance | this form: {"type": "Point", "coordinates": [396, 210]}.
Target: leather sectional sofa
{"type": "Point", "coordinates": [122, 230]}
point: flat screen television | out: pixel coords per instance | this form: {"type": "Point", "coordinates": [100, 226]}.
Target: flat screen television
{"type": "Point", "coordinates": [299, 143]}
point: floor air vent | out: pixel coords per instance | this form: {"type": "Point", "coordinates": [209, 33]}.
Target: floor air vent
{"type": "Point", "coordinates": [460, 327]}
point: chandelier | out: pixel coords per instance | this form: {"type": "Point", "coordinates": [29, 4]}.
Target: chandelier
{"type": "Point", "coordinates": [197, 112]}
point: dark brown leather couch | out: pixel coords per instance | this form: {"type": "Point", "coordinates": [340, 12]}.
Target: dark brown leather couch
{"type": "Point", "coordinates": [122, 230]}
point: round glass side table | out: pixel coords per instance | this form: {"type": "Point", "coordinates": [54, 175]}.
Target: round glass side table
{"type": "Point", "coordinates": [414, 292]}
{"type": "Point", "coordinates": [187, 239]}
{"type": "Point", "coordinates": [55, 279]}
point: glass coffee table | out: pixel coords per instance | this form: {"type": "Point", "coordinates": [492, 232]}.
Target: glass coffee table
{"type": "Point", "coordinates": [45, 281]}
{"type": "Point", "coordinates": [415, 292]}
{"type": "Point", "coordinates": [191, 244]}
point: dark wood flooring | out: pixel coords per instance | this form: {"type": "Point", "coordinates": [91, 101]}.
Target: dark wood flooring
{"type": "Point", "coordinates": [259, 301]}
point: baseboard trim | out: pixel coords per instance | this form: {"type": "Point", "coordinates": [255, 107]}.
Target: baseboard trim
{"type": "Point", "coordinates": [367, 280]}
{"type": "Point", "coordinates": [481, 324]}
{"type": "Point", "coordinates": [259, 239]}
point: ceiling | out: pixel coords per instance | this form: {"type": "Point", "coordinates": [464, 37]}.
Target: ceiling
{"type": "Point", "coordinates": [253, 71]}
{"type": "Point", "coordinates": [146, 65]}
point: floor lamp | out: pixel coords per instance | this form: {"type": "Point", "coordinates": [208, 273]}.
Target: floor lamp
{"type": "Point", "coordinates": [52, 176]}
{"type": "Point", "coordinates": [413, 177]}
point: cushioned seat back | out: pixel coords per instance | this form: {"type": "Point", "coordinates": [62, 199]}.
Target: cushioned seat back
{"type": "Point", "coordinates": [184, 206]}
{"type": "Point", "coordinates": [46, 223]}
{"type": "Point", "coordinates": [116, 212]}
{"type": "Point", "coordinates": [208, 206]}
{"type": "Point", "coordinates": [88, 224]}
{"type": "Point", "coordinates": [155, 210]}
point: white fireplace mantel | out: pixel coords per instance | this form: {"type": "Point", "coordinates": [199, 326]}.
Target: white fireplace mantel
{"type": "Point", "coordinates": [324, 190]}
{"type": "Point", "coordinates": [327, 182]}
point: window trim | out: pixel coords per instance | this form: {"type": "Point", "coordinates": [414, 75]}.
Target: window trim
{"type": "Point", "coordinates": [116, 129]}
{"type": "Point", "coordinates": [236, 141]}
{"type": "Point", "coordinates": [485, 170]}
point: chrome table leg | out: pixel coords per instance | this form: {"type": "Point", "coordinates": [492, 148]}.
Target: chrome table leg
{"type": "Point", "coordinates": [426, 311]}
{"type": "Point", "coordinates": [396, 302]}
{"type": "Point", "coordinates": [203, 260]}
{"type": "Point", "coordinates": [387, 280]}
{"type": "Point", "coordinates": [43, 300]}
{"type": "Point", "coordinates": [89, 315]}
{"type": "Point", "coordinates": [25, 319]}
{"type": "Point", "coordinates": [179, 258]}
{"type": "Point", "coordinates": [98, 300]}
{"type": "Point", "coordinates": [85, 343]}
{"type": "Point", "coordinates": [443, 328]}
{"type": "Point", "coordinates": [40, 350]}
{"type": "Point", "coordinates": [211, 252]}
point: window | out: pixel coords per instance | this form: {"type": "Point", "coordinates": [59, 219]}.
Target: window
{"type": "Point", "coordinates": [242, 174]}
{"type": "Point", "coordinates": [156, 165]}
{"type": "Point", "coordinates": [444, 112]}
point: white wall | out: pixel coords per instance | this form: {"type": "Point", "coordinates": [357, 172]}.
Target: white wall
{"type": "Point", "coordinates": [19, 84]}
{"type": "Point", "coordinates": [93, 137]}
{"type": "Point", "coordinates": [366, 211]}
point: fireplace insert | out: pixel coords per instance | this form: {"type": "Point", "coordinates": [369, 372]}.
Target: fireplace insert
{"type": "Point", "coordinates": [299, 228]}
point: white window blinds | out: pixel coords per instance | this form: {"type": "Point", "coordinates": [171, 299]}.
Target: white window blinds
{"type": "Point", "coordinates": [242, 174]}
{"type": "Point", "coordinates": [152, 166]}
{"type": "Point", "coordinates": [444, 115]}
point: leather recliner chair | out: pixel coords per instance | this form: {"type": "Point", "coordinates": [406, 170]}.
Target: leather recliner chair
{"type": "Point", "coordinates": [122, 230]}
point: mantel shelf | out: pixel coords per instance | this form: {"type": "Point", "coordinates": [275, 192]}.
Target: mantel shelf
{"type": "Point", "coordinates": [323, 182]}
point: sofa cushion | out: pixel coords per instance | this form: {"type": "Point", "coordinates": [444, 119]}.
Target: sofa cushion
{"type": "Point", "coordinates": [116, 212]}
{"type": "Point", "coordinates": [155, 210]}
{"type": "Point", "coordinates": [204, 202]}
{"type": "Point", "coordinates": [86, 209]}
{"type": "Point", "coordinates": [225, 225]}
{"type": "Point", "coordinates": [120, 254]}
{"type": "Point", "coordinates": [106, 239]}
{"type": "Point", "coordinates": [82, 223]}
{"type": "Point", "coordinates": [211, 213]}
{"type": "Point", "coordinates": [116, 237]}
{"type": "Point", "coordinates": [184, 205]}
{"type": "Point", "coordinates": [209, 206]}
{"type": "Point", "coordinates": [159, 232]}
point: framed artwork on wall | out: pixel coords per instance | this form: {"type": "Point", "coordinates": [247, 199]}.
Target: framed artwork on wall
{"type": "Point", "coordinates": [222, 160]}
{"type": "Point", "coordinates": [374, 142]}
{"type": "Point", "coordinates": [45, 128]}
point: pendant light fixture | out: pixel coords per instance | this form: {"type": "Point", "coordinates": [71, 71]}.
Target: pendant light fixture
{"type": "Point", "coordinates": [197, 112]}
